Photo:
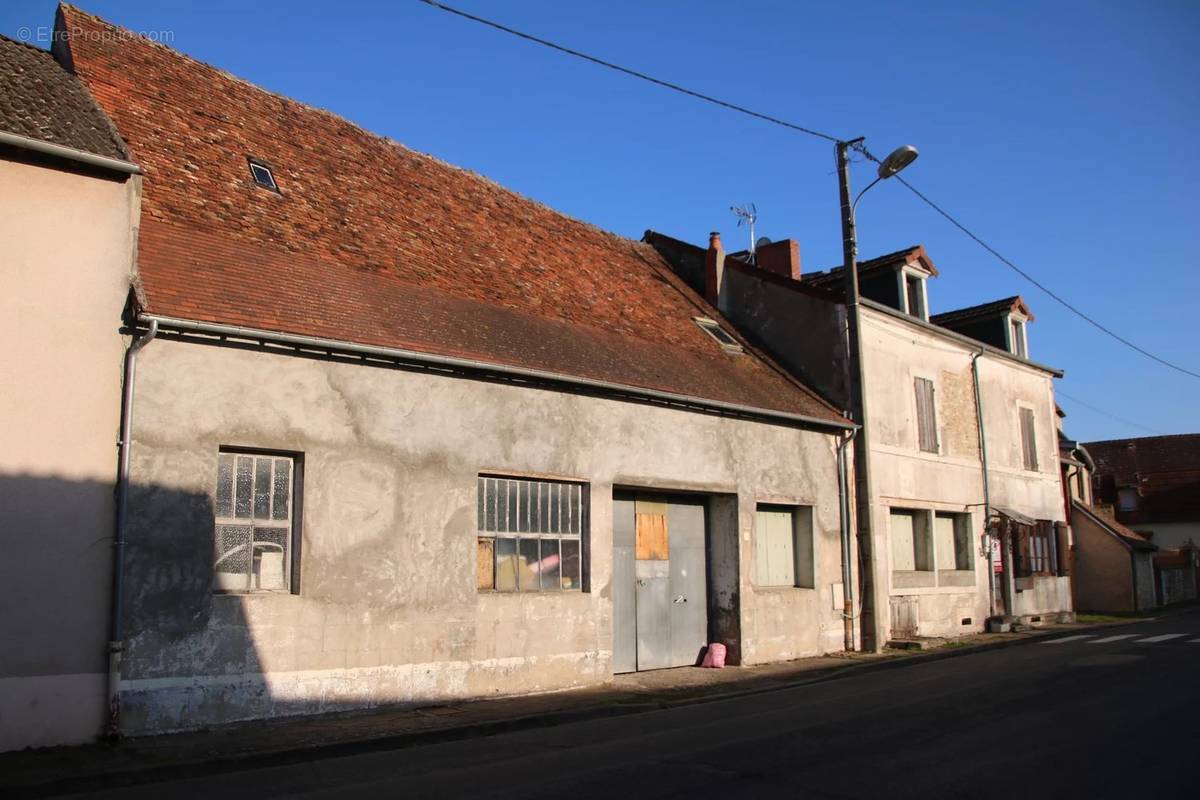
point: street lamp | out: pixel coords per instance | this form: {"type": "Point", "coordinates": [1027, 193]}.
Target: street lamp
{"type": "Point", "coordinates": [896, 161]}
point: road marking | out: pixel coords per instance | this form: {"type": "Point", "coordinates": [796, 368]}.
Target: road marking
{"type": "Point", "coordinates": [1162, 638]}
{"type": "Point", "coordinates": [1066, 639]}
{"type": "Point", "coordinates": [1116, 638]}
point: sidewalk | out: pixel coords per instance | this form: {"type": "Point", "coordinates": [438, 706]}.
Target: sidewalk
{"type": "Point", "coordinates": [34, 773]}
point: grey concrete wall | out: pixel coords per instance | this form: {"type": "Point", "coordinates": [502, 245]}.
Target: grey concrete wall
{"type": "Point", "coordinates": [388, 611]}
{"type": "Point", "coordinates": [66, 257]}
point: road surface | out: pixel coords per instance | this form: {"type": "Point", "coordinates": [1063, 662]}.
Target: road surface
{"type": "Point", "coordinates": [1110, 714]}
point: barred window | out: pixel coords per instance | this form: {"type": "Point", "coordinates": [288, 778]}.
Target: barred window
{"type": "Point", "coordinates": [532, 535]}
{"type": "Point", "coordinates": [254, 537]}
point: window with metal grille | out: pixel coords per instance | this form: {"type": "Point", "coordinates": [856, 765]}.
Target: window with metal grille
{"type": "Point", "coordinates": [927, 438]}
{"type": "Point", "coordinates": [1028, 440]}
{"type": "Point", "coordinates": [532, 535]}
{"type": "Point", "coordinates": [255, 536]}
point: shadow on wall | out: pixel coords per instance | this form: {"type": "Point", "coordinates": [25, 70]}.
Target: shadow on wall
{"type": "Point", "coordinates": [55, 599]}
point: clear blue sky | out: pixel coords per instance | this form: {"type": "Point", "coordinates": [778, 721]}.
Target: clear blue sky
{"type": "Point", "coordinates": [1064, 133]}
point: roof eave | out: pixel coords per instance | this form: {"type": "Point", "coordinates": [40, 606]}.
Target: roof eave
{"type": "Point", "coordinates": [69, 153]}
{"type": "Point", "coordinates": [472, 365]}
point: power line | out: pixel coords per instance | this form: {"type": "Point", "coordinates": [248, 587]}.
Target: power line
{"type": "Point", "coordinates": [809, 131]}
{"type": "Point", "coordinates": [632, 72]}
{"type": "Point", "coordinates": [1103, 413]}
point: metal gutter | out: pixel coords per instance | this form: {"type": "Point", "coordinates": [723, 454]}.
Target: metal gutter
{"type": "Point", "coordinates": [453, 362]}
{"type": "Point", "coordinates": [847, 570]}
{"type": "Point", "coordinates": [69, 153]}
{"type": "Point", "coordinates": [116, 643]}
{"type": "Point", "coordinates": [973, 344]}
{"type": "Point", "coordinates": [987, 493]}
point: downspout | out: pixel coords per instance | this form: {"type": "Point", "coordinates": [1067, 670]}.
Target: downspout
{"type": "Point", "coordinates": [987, 494]}
{"type": "Point", "coordinates": [847, 571]}
{"type": "Point", "coordinates": [116, 644]}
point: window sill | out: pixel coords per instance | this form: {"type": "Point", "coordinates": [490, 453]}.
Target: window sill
{"type": "Point", "coordinates": [914, 579]}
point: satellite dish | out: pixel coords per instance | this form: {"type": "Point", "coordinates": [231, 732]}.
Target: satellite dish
{"type": "Point", "coordinates": [763, 241]}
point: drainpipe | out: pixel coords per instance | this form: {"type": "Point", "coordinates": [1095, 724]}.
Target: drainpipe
{"type": "Point", "coordinates": [847, 572]}
{"type": "Point", "coordinates": [116, 644]}
{"type": "Point", "coordinates": [987, 495]}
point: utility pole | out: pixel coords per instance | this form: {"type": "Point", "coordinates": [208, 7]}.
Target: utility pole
{"type": "Point", "coordinates": [862, 458]}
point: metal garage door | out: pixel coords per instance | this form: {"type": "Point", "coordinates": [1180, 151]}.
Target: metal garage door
{"type": "Point", "coordinates": [660, 601]}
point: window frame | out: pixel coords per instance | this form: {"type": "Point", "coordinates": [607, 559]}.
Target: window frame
{"type": "Point", "coordinates": [1036, 550]}
{"type": "Point", "coordinates": [252, 163]}
{"type": "Point", "coordinates": [803, 536]}
{"type": "Point", "coordinates": [1028, 439]}
{"type": "Point", "coordinates": [292, 562]}
{"type": "Point", "coordinates": [936, 446]}
{"type": "Point", "coordinates": [926, 533]}
{"type": "Point", "coordinates": [962, 523]}
{"type": "Point", "coordinates": [497, 532]}
{"type": "Point", "coordinates": [716, 331]}
{"type": "Point", "coordinates": [905, 275]}
{"type": "Point", "coordinates": [1018, 336]}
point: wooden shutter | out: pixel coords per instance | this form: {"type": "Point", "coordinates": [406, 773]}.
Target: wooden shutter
{"type": "Point", "coordinates": [1028, 439]}
{"type": "Point", "coordinates": [926, 416]}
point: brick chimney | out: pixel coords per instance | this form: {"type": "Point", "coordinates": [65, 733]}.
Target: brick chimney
{"type": "Point", "coordinates": [714, 269]}
{"type": "Point", "coordinates": [782, 258]}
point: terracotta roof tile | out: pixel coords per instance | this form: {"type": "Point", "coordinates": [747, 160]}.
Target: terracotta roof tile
{"type": "Point", "coordinates": [370, 242]}
{"type": "Point", "coordinates": [43, 101]}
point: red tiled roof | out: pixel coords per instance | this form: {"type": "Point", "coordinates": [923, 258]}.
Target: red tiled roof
{"type": "Point", "coordinates": [43, 101]}
{"type": "Point", "coordinates": [910, 256]}
{"type": "Point", "coordinates": [1165, 470]}
{"type": "Point", "coordinates": [1103, 517]}
{"type": "Point", "coordinates": [372, 243]}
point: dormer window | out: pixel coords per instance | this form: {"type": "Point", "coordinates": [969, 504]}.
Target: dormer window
{"type": "Point", "coordinates": [914, 295]}
{"type": "Point", "coordinates": [1018, 345]}
{"type": "Point", "coordinates": [262, 175]}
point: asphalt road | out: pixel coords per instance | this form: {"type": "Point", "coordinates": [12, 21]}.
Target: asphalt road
{"type": "Point", "coordinates": [1107, 715]}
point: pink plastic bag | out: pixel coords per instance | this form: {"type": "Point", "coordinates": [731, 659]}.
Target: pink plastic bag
{"type": "Point", "coordinates": [714, 657]}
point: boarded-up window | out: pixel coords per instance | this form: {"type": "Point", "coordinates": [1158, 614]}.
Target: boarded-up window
{"type": "Point", "coordinates": [783, 546]}
{"type": "Point", "coordinates": [926, 416]}
{"type": "Point", "coordinates": [1028, 440]}
{"type": "Point", "coordinates": [254, 542]}
{"type": "Point", "coordinates": [651, 537]}
{"type": "Point", "coordinates": [531, 535]}
{"type": "Point", "coordinates": [952, 537]}
{"type": "Point", "coordinates": [912, 545]}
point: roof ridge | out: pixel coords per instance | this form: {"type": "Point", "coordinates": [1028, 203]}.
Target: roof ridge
{"type": "Point", "coordinates": [360, 129]}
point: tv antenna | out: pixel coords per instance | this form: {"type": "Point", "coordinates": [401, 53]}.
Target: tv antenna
{"type": "Point", "coordinates": [748, 215]}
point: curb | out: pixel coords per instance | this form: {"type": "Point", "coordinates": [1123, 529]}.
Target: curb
{"type": "Point", "coordinates": [182, 770]}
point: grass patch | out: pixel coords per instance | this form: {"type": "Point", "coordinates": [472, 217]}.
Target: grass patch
{"type": "Point", "coordinates": [953, 645]}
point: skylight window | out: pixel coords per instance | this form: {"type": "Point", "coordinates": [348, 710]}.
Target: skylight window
{"type": "Point", "coordinates": [713, 329]}
{"type": "Point", "coordinates": [262, 175]}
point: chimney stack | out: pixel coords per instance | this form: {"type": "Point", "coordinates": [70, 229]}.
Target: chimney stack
{"type": "Point", "coordinates": [782, 258]}
{"type": "Point", "coordinates": [714, 269]}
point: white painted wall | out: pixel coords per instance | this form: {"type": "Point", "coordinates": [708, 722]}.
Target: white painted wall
{"type": "Point", "coordinates": [64, 268]}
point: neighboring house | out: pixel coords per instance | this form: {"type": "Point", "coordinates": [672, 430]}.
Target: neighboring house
{"type": "Point", "coordinates": [67, 195]}
{"type": "Point", "coordinates": [1112, 566]}
{"type": "Point", "coordinates": [1152, 484]}
{"type": "Point", "coordinates": [400, 435]}
{"type": "Point", "coordinates": [931, 515]}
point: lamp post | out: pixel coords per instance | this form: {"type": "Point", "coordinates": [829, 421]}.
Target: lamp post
{"type": "Point", "coordinates": [894, 163]}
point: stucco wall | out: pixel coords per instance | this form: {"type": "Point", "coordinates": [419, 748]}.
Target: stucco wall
{"type": "Point", "coordinates": [1103, 569]}
{"type": "Point", "coordinates": [388, 610]}
{"type": "Point", "coordinates": [1169, 535]}
{"type": "Point", "coordinates": [895, 353]}
{"type": "Point", "coordinates": [64, 268]}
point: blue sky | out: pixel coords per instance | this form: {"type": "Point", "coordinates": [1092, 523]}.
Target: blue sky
{"type": "Point", "coordinates": [1063, 133]}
